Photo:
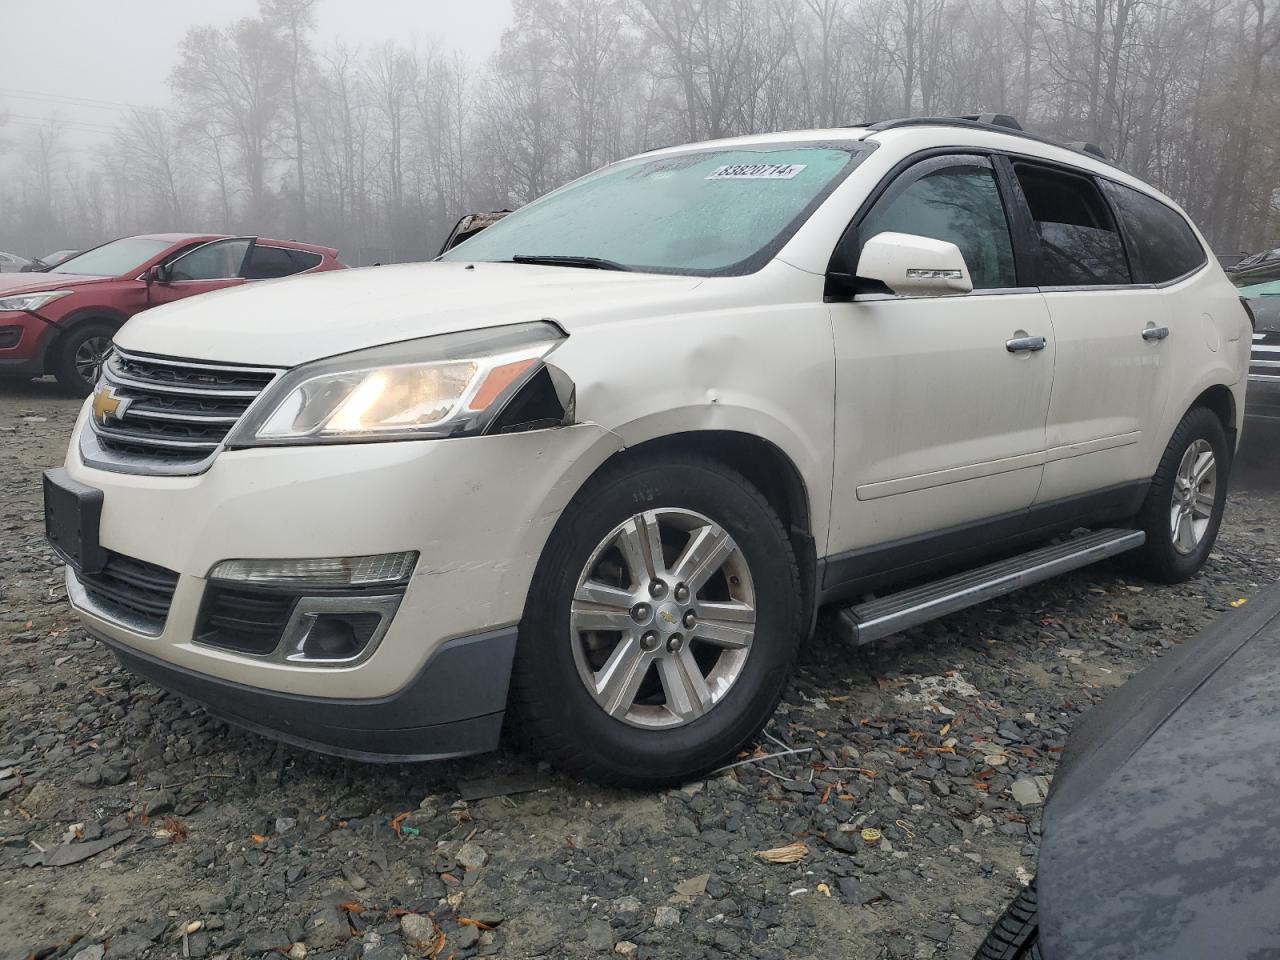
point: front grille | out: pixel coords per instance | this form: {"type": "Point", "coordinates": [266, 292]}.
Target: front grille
{"type": "Point", "coordinates": [247, 621]}
{"type": "Point", "coordinates": [1264, 362]}
{"type": "Point", "coordinates": [132, 590]}
{"type": "Point", "coordinates": [169, 416]}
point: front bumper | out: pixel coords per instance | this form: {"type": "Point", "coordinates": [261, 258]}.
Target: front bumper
{"type": "Point", "coordinates": [453, 706]}
{"type": "Point", "coordinates": [23, 341]}
{"type": "Point", "coordinates": [478, 511]}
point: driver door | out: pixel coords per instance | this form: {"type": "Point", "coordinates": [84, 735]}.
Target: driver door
{"type": "Point", "coordinates": [210, 266]}
{"type": "Point", "coordinates": [940, 420]}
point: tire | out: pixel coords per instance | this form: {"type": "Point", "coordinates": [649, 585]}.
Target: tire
{"type": "Point", "coordinates": [655, 737]}
{"type": "Point", "coordinates": [1172, 558]}
{"type": "Point", "coordinates": [78, 356]}
{"type": "Point", "coordinates": [1016, 935]}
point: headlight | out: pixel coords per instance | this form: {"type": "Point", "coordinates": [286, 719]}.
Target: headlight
{"type": "Point", "coordinates": [32, 301]}
{"type": "Point", "coordinates": [440, 386]}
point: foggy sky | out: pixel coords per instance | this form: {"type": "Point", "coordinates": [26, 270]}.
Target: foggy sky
{"type": "Point", "coordinates": [56, 56]}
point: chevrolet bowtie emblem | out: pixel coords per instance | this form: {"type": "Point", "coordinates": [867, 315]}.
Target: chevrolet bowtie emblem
{"type": "Point", "coordinates": [668, 616]}
{"type": "Point", "coordinates": [106, 405]}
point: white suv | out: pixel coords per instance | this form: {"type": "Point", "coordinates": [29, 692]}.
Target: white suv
{"type": "Point", "coordinates": [596, 469]}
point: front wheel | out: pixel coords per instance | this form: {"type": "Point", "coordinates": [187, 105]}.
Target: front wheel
{"type": "Point", "coordinates": [78, 357]}
{"type": "Point", "coordinates": [661, 625]}
{"type": "Point", "coordinates": [1187, 498]}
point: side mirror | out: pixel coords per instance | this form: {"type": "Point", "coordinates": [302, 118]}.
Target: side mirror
{"type": "Point", "coordinates": [158, 273]}
{"type": "Point", "coordinates": [914, 266]}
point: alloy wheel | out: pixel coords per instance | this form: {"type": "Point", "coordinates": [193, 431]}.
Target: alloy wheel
{"type": "Point", "coordinates": [662, 618]}
{"type": "Point", "coordinates": [90, 356]}
{"type": "Point", "coordinates": [1195, 488]}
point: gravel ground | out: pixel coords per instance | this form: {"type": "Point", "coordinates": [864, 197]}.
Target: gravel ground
{"type": "Point", "coordinates": [199, 840]}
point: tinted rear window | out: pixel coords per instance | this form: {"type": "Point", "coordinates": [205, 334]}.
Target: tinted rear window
{"type": "Point", "coordinates": [268, 262]}
{"type": "Point", "coordinates": [304, 259]}
{"type": "Point", "coordinates": [1162, 246]}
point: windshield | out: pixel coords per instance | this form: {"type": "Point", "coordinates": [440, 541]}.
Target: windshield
{"type": "Point", "coordinates": [705, 213]}
{"type": "Point", "coordinates": [114, 258]}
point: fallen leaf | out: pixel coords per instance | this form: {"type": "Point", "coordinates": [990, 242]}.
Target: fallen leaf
{"type": "Point", "coordinates": [791, 853]}
{"type": "Point", "coordinates": [694, 886]}
{"type": "Point", "coordinates": [1237, 604]}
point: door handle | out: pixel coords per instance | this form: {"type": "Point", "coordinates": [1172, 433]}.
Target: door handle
{"type": "Point", "coordinates": [1024, 344]}
{"type": "Point", "coordinates": [1155, 333]}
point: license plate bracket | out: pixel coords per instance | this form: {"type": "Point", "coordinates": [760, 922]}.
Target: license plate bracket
{"type": "Point", "coordinates": [72, 517]}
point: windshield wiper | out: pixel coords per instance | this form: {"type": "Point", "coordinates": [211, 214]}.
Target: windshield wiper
{"type": "Point", "coordinates": [557, 260]}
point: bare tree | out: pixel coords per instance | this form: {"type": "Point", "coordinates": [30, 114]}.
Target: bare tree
{"type": "Point", "coordinates": [234, 80]}
{"type": "Point", "coordinates": [293, 20]}
{"type": "Point", "coordinates": [379, 150]}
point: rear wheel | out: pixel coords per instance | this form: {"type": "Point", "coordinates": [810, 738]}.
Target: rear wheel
{"type": "Point", "coordinates": [660, 626]}
{"type": "Point", "coordinates": [79, 356]}
{"type": "Point", "coordinates": [1188, 495]}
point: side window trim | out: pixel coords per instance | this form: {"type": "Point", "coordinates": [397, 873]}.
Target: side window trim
{"type": "Point", "coordinates": [1026, 244]}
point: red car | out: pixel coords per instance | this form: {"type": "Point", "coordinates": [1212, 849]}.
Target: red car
{"type": "Point", "coordinates": [61, 321]}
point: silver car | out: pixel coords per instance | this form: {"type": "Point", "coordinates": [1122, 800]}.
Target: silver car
{"type": "Point", "coordinates": [12, 263]}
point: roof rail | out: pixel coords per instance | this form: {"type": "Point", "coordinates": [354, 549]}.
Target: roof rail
{"type": "Point", "coordinates": [1085, 147]}
{"type": "Point", "coordinates": [993, 122]}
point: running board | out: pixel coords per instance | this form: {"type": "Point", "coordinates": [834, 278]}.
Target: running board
{"type": "Point", "coordinates": [879, 618]}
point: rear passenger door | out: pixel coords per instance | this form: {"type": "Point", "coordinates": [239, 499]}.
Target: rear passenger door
{"type": "Point", "coordinates": [1108, 391]}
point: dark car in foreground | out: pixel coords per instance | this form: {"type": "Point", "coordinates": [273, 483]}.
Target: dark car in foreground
{"type": "Point", "coordinates": [1161, 834]}
{"type": "Point", "coordinates": [1262, 403]}
{"type": "Point", "coordinates": [61, 320]}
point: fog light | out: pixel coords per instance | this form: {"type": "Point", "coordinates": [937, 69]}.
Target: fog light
{"type": "Point", "coordinates": [337, 636]}
{"type": "Point", "coordinates": [336, 631]}
{"type": "Point", "coordinates": [376, 569]}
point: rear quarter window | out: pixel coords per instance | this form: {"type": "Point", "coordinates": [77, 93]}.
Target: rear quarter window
{"type": "Point", "coordinates": [1162, 245]}
{"type": "Point", "coordinates": [304, 259]}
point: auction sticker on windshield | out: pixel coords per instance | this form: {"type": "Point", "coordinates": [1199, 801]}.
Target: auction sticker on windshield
{"type": "Point", "coordinates": [756, 171]}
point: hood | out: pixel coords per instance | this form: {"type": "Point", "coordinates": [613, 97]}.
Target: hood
{"type": "Point", "coordinates": [11, 283]}
{"type": "Point", "coordinates": [296, 319]}
{"type": "Point", "coordinates": [1161, 838]}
